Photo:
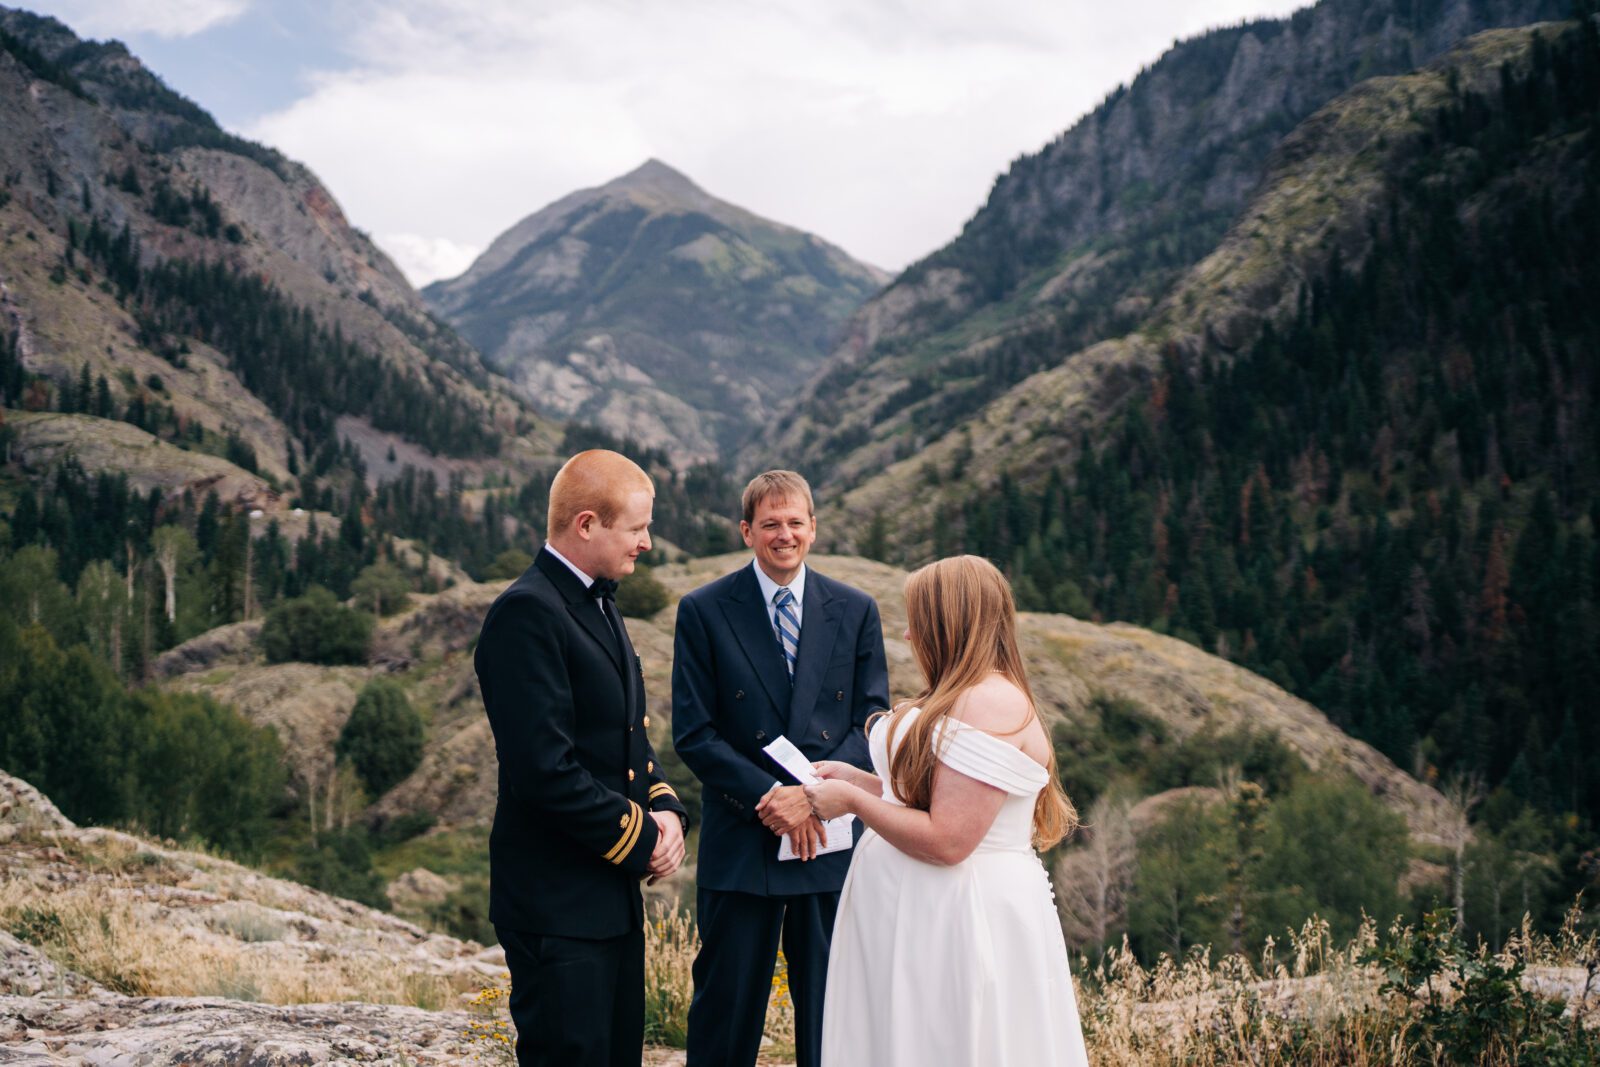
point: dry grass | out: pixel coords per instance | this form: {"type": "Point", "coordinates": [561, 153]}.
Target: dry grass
{"type": "Point", "coordinates": [1320, 1005]}
{"type": "Point", "coordinates": [110, 937]}
{"type": "Point", "coordinates": [1326, 1004]}
{"type": "Point", "coordinates": [671, 944]}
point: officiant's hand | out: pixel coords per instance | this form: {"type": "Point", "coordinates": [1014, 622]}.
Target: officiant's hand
{"type": "Point", "coordinates": [811, 836]}
{"type": "Point", "coordinates": [784, 809]}
{"type": "Point", "coordinates": [830, 798]}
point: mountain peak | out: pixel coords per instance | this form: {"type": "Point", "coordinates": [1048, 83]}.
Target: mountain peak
{"type": "Point", "coordinates": [655, 184]}
{"type": "Point", "coordinates": [654, 174]}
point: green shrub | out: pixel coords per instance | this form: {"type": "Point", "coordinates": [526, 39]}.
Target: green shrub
{"type": "Point", "coordinates": [465, 912]}
{"type": "Point", "coordinates": [383, 736]}
{"type": "Point", "coordinates": [508, 565]}
{"type": "Point", "coordinates": [382, 588]}
{"type": "Point", "coordinates": [402, 828]}
{"type": "Point", "coordinates": [202, 770]}
{"type": "Point", "coordinates": [316, 628]}
{"type": "Point", "coordinates": [341, 863]}
{"type": "Point", "coordinates": [640, 595]}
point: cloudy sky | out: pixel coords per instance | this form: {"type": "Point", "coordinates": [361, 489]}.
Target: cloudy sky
{"type": "Point", "coordinates": [877, 124]}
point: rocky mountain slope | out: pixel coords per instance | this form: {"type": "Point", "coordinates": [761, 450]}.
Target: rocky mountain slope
{"type": "Point", "coordinates": [1324, 183]}
{"type": "Point", "coordinates": [655, 310]}
{"type": "Point", "coordinates": [143, 245]}
{"type": "Point", "coordinates": [1079, 243]}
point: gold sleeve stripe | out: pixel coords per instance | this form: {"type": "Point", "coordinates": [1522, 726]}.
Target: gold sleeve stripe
{"type": "Point", "coordinates": [633, 835]}
{"type": "Point", "coordinates": [662, 789]}
{"type": "Point", "coordinates": [630, 834]}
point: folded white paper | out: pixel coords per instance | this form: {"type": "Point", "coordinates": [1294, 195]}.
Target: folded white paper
{"type": "Point", "coordinates": [841, 831]}
{"type": "Point", "coordinates": [786, 755]}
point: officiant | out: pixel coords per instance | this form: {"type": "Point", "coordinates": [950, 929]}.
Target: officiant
{"type": "Point", "coordinates": [774, 649]}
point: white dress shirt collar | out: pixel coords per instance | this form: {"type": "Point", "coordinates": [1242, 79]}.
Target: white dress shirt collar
{"type": "Point", "coordinates": [573, 567]}
{"type": "Point", "coordinates": [769, 588]}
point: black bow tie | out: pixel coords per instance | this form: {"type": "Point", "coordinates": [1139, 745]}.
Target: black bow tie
{"type": "Point", "coordinates": [604, 589]}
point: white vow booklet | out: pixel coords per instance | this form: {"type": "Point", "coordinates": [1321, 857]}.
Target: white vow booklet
{"type": "Point", "coordinates": [841, 831]}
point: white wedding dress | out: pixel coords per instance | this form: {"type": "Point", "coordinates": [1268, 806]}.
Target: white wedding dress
{"type": "Point", "coordinates": [961, 966]}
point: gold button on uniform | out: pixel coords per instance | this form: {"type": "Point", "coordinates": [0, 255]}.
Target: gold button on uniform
{"type": "Point", "coordinates": [647, 722]}
{"type": "Point", "coordinates": [649, 766]}
{"type": "Point", "coordinates": [624, 822]}
{"type": "Point", "coordinates": [630, 774]}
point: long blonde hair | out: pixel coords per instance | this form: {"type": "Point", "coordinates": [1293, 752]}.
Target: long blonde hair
{"type": "Point", "coordinates": [963, 625]}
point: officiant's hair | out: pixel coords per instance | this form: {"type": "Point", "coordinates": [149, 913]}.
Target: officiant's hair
{"type": "Point", "coordinates": [598, 480]}
{"type": "Point", "coordinates": [780, 484]}
{"type": "Point", "coordinates": [963, 626]}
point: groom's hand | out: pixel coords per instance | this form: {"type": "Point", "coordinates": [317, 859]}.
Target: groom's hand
{"type": "Point", "coordinates": [784, 809]}
{"type": "Point", "coordinates": [669, 849]}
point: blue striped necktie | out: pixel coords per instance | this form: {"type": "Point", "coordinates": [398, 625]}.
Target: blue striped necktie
{"type": "Point", "coordinates": [788, 627]}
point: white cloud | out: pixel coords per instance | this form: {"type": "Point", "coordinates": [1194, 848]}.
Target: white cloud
{"type": "Point", "coordinates": [428, 259]}
{"type": "Point", "coordinates": [878, 124]}
{"type": "Point", "coordinates": [164, 18]}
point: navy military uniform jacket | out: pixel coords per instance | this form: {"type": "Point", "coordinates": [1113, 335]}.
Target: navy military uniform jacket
{"type": "Point", "coordinates": [572, 833]}
{"type": "Point", "coordinates": [731, 696]}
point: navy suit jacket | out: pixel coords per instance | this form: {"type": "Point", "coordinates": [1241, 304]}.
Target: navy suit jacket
{"type": "Point", "coordinates": [731, 696]}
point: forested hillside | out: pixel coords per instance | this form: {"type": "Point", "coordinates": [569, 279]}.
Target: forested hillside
{"type": "Point", "coordinates": [221, 404]}
{"type": "Point", "coordinates": [1389, 500]}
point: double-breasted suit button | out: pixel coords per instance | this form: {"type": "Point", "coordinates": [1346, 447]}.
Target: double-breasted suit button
{"type": "Point", "coordinates": [630, 774]}
{"type": "Point", "coordinates": [824, 735]}
{"type": "Point", "coordinates": [839, 695]}
{"type": "Point", "coordinates": [739, 695]}
{"type": "Point", "coordinates": [761, 735]}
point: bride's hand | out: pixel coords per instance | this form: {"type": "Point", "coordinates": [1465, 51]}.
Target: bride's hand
{"type": "Point", "coordinates": [835, 769]}
{"type": "Point", "coordinates": [830, 798]}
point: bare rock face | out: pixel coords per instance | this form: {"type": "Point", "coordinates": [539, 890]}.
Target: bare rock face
{"type": "Point", "coordinates": [118, 950]}
{"type": "Point", "coordinates": [109, 1030]}
{"type": "Point", "coordinates": [44, 439]}
{"type": "Point", "coordinates": [231, 644]}
{"type": "Point", "coordinates": [27, 972]}
{"type": "Point", "coordinates": [417, 889]}
{"type": "Point", "coordinates": [22, 807]}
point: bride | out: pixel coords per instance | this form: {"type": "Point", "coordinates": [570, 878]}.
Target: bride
{"type": "Point", "coordinates": [947, 949]}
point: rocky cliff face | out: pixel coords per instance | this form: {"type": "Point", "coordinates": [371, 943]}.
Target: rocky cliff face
{"type": "Point", "coordinates": [1077, 243]}
{"type": "Point", "coordinates": [89, 137]}
{"type": "Point", "coordinates": [656, 311]}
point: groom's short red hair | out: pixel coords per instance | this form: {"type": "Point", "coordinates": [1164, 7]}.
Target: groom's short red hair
{"type": "Point", "coordinates": [598, 480]}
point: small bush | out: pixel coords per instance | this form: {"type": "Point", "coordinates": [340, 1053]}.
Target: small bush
{"type": "Point", "coordinates": [465, 912]}
{"type": "Point", "coordinates": [402, 828]}
{"type": "Point", "coordinates": [383, 737]}
{"type": "Point", "coordinates": [316, 628]}
{"type": "Point", "coordinates": [340, 863]}
{"type": "Point", "coordinates": [640, 595]}
{"type": "Point", "coordinates": [508, 565]}
{"type": "Point", "coordinates": [382, 588]}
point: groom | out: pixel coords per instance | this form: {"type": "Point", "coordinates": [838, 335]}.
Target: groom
{"type": "Point", "coordinates": [773, 649]}
{"type": "Point", "coordinates": [582, 813]}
